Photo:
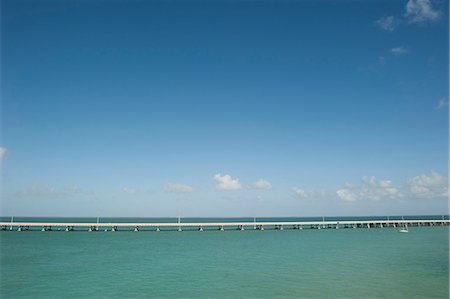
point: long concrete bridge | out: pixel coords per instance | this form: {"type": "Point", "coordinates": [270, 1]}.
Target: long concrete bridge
{"type": "Point", "coordinates": [221, 226]}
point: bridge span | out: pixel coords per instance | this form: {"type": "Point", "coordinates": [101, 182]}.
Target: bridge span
{"type": "Point", "coordinates": [221, 226]}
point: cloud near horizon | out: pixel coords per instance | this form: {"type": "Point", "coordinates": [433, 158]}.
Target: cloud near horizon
{"type": "Point", "coordinates": [428, 186]}
{"type": "Point", "coordinates": [260, 184]}
{"type": "Point", "coordinates": [178, 188]}
{"type": "Point", "coordinates": [129, 190]}
{"type": "Point", "coordinates": [432, 186]}
{"type": "Point", "coordinates": [299, 192]}
{"type": "Point", "coordinates": [226, 182]}
{"type": "Point", "coordinates": [40, 191]}
{"type": "Point", "coordinates": [49, 191]}
{"type": "Point", "coordinates": [370, 188]}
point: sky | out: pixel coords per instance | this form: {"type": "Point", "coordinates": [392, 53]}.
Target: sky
{"type": "Point", "coordinates": [224, 108]}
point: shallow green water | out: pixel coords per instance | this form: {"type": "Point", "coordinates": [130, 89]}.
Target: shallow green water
{"type": "Point", "coordinates": [345, 263]}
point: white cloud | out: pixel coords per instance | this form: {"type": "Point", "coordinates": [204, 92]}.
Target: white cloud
{"type": "Point", "coordinates": [441, 104]}
{"type": "Point", "coordinates": [421, 11]}
{"type": "Point", "coordinates": [347, 195]}
{"type": "Point", "coordinates": [399, 51]}
{"type": "Point", "coordinates": [261, 184]}
{"type": "Point", "coordinates": [370, 188]}
{"type": "Point", "coordinates": [2, 152]}
{"type": "Point", "coordinates": [41, 191]}
{"type": "Point", "coordinates": [129, 190]}
{"type": "Point", "coordinates": [226, 182]}
{"type": "Point", "coordinates": [178, 188]}
{"type": "Point", "coordinates": [49, 191]}
{"type": "Point", "coordinates": [433, 185]}
{"type": "Point", "coordinates": [387, 23]}
{"type": "Point", "coordinates": [311, 194]}
{"type": "Point", "coordinates": [74, 189]}
{"type": "Point", "coordinates": [434, 180]}
{"type": "Point", "coordinates": [378, 189]}
{"type": "Point", "coordinates": [299, 192]}
{"type": "Point", "coordinates": [416, 12]}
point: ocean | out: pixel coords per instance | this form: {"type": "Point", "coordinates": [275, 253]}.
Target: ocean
{"type": "Point", "coordinates": [327, 263]}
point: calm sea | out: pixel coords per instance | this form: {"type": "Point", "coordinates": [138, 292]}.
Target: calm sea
{"type": "Point", "coordinates": [327, 263]}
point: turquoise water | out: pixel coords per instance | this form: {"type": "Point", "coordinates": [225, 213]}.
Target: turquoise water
{"type": "Point", "coordinates": [327, 263]}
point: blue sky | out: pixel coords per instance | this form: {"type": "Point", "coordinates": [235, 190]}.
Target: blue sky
{"type": "Point", "coordinates": [224, 108]}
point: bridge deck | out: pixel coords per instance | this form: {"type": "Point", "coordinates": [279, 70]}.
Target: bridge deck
{"type": "Point", "coordinates": [227, 224]}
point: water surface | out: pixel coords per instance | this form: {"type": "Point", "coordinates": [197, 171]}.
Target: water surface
{"type": "Point", "coordinates": [327, 263]}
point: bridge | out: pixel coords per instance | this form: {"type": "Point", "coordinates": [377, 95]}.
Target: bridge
{"type": "Point", "coordinates": [221, 226]}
